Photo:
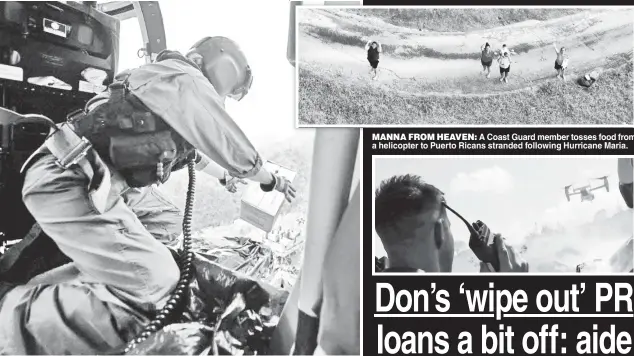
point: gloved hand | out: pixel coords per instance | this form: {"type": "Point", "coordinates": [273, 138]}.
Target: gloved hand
{"type": "Point", "coordinates": [285, 187]}
{"type": "Point", "coordinates": [231, 183]}
{"type": "Point", "coordinates": [510, 260]}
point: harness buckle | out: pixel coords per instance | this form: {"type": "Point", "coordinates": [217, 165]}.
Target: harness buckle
{"type": "Point", "coordinates": [67, 146]}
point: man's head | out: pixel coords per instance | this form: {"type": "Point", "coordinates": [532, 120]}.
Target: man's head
{"type": "Point", "coordinates": [374, 45]}
{"type": "Point", "coordinates": [563, 49]}
{"type": "Point", "coordinates": [487, 46]}
{"type": "Point", "coordinates": [412, 223]}
{"type": "Point", "coordinates": [504, 46]}
{"type": "Point", "coordinates": [224, 64]}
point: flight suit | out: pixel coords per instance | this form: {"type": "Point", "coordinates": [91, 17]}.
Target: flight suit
{"type": "Point", "coordinates": [122, 270]}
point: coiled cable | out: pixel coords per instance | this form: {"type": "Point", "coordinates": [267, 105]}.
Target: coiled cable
{"type": "Point", "coordinates": [185, 263]}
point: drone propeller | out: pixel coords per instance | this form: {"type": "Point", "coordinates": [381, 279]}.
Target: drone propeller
{"type": "Point", "coordinates": [567, 190]}
{"type": "Point", "coordinates": [605, 185]}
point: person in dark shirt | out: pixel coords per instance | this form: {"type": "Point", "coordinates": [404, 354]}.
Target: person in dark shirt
{"type": "Point", "coordinates": [486, 58]}
{"type": "Point", "coordinates": [373, 48]}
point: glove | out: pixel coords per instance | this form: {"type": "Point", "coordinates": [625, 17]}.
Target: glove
{"type": "Point", "coordinates": [231, 183]}
{"type": "Point", "coordinates": [285, 187]}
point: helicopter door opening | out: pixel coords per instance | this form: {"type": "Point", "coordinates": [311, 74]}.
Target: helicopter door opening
{"type": "Point", "coordinates": [336, 154]}
{"type": "Point", "coordinates": [142, 24]}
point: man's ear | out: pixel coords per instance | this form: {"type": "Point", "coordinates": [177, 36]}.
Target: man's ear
{"type": "Point", "coordinates": [439, 236]}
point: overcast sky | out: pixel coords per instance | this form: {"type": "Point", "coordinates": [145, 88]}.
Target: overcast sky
{"type": "Point", "coordinates": [267, 113]}
{"type": "Point", "coordinates": [512, 196]}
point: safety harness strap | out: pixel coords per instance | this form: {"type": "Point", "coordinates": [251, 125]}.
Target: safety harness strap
{"type": "Point", "coordinates": [72, 150]}
{"type": "Point", "coordinates": [69, 149]}
{"type": "Point", "coordinates": [11, 256]}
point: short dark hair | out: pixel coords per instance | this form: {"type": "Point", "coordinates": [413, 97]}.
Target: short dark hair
{"type": "Point", "coordinates": [402, 196]}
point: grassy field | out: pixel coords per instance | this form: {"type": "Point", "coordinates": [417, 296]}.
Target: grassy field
{"type": "Point", "coordinates": [461, 20]}
{"type": "Point", "coordinates": [214, 206]}
{"type": "Point", "coordinates": [356, 39]}
{"type": "Point", "coordinates": [329, 98]}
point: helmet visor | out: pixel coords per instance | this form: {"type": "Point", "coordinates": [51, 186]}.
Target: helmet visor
{"type": "Point", "coordinates": [242, 90]}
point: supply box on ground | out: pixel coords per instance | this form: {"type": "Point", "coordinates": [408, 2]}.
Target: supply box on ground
{"type": "Point", "coordinates": [261, 209]}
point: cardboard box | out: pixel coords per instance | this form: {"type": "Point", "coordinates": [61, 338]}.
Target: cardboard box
{"type": "Point", "coordinates": [261, 209]}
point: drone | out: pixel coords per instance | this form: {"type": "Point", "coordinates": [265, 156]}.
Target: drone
{"type": "Point", "coordinates": [586, 191]}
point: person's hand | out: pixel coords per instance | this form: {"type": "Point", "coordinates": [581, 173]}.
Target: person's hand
{"type": "Point", "coordinates": [231, 183]}
{"type": "Point", "coordinates": [510, 260]}
{"type": "Point", "coordinates": [285, 187]}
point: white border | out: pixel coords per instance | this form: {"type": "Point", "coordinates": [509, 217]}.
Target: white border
{"type": "Point", "coordinates": [297, 64]}
{"type": "Point", "coordinates": [492, 157]}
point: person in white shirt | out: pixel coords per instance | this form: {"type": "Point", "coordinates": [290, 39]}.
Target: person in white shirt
{"type": "Point", "coordinates": [505, 66]}
{"type": "Point", "coordinates": [505, 50]}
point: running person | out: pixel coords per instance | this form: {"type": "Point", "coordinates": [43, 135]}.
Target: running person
{"type": "Point", "coordinates": [561, 63]}
{"type": "Point", "coordinates": [373, 48]}
{"type": "Point", "coordinates": [505, 66]}
{"type": "Point", "coordinates": [486, 58]}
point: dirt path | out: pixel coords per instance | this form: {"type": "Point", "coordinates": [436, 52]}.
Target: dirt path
{"type": "Point", "coordinates": [590, 38]}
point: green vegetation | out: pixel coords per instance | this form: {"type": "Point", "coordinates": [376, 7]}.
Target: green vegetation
{"type": "Point", "coordinates": [347, 38]}
{"type": "Point", "coordinates": [400, 51]}
{"type": "Point", "coordinates": [214, 206]}
{"type": "Point", "coordinates": [461, 20]}
{"type": "Point", "coordinates": [331, 98]}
